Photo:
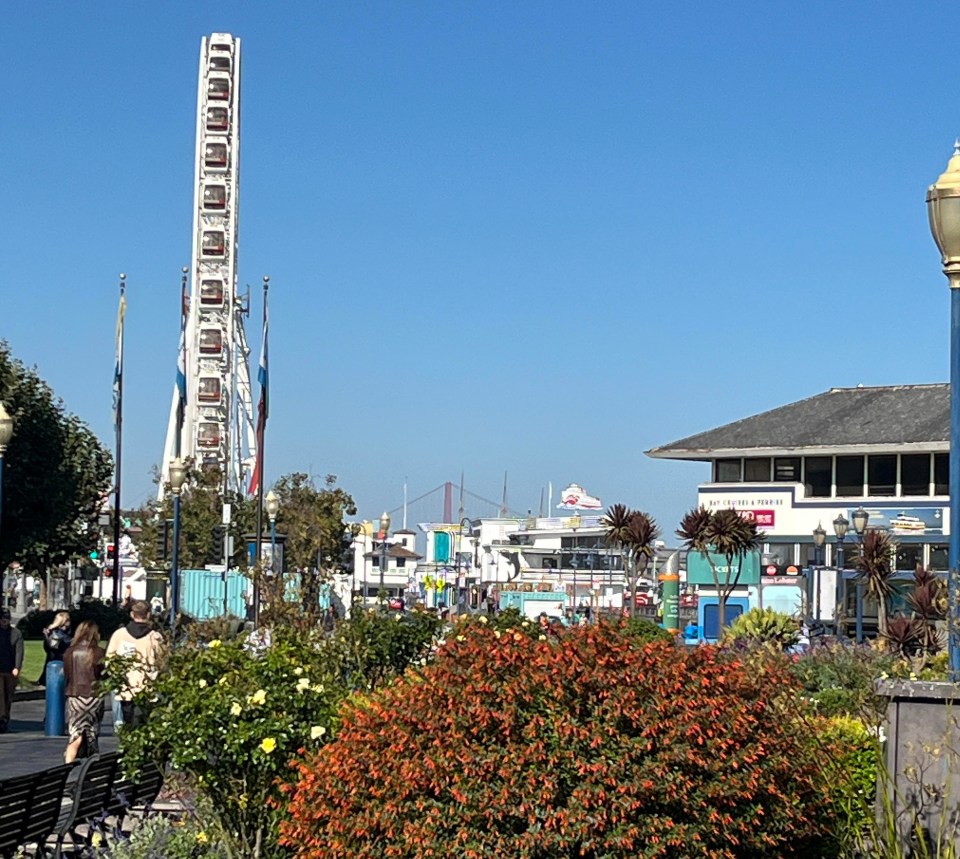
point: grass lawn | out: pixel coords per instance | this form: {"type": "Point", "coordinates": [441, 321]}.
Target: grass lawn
{"type": "Point", "coordinates": [33, 659]}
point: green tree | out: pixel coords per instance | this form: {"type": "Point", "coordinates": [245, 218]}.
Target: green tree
{"type": "Point", "coordinates": [312, 521]}
{"type": "Point", "coordinates": [635, 534]}
{"type": "Point", "coordinates": [56, 474]}
{"type": "Point", "coordinates": [726, 533]}
{"type": "Point", "coordinates": [201, 514]}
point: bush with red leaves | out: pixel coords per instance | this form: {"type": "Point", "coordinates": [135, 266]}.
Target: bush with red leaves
{"type": "Point", "coordinates": [590, 744]}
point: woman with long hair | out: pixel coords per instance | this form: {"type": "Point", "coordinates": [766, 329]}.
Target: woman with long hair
{"type": "Point", "coordinates": [56, 640]}
{"type": "Point", "coordinates": [83, 667]}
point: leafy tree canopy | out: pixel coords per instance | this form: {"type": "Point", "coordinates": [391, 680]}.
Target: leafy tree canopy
{"type": "Point", "coordinates": [56, 474]}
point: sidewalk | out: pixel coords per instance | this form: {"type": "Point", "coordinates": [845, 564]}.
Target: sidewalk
{"type": "Point", "coordinates": [25, 749]}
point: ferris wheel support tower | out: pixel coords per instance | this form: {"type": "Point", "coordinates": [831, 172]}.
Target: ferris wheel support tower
{"type": "Point", "coordinates": [217, 428]}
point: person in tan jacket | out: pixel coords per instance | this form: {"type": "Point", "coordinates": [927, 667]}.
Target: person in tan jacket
{"type": "Point", "coordinates": [137, 639]}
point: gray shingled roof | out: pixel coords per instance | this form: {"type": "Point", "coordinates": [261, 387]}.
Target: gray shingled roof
{"type": "Point", "coordinates": [838, 419]}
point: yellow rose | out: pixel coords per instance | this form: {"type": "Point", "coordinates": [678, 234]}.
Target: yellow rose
{"type": "Point", "coordinates": [223, 681]}
{"type": "Point", "coordinates": [483, 618]}
{"type": "Point", "coordinates": [202, 838]}
{"type": "Point", "coordinates": [268, 745]}
{"type": "Point", "coordinates": [298, 671]}
{"type": "Point", "coordinates": [203, 684]}
{"type": "Point", "coordinates": [303, 684]}
{"type": "Point", "coordinates": [236, 709]}
{"type": "Point", "coordinates": [317, 731]}
{"type": "Point", "coordinates": [258, 697]}
{"type": "Point", "coordinates": [215, 643]}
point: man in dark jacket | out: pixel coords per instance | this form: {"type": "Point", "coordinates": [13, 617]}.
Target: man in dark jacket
{"type": "Point", "coordinates": [11, 661]}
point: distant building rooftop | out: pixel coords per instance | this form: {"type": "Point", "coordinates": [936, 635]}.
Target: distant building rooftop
{"type": "Point", "coordinates": [840, 420]}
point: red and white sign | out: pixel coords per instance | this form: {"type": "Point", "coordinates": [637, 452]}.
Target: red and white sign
{"type": "Point", "coordinates": [763, 518]}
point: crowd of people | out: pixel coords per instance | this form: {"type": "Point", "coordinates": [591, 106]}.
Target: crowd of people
{"type": "Point", "coordinates": [84, 661]}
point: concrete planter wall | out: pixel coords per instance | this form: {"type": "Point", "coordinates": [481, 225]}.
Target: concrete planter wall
{"type": "Point", "coordinates": [923, 758]}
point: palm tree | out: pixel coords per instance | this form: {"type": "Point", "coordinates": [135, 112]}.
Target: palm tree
{"type": "Point", "coordinates": [726, 533]}
{"type": "Point", "coordinates": [635, 533]}
{"type": "Point", "coordinates": [875, 566]}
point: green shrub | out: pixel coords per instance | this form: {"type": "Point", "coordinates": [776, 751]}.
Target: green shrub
{"type": "Point", "coordinates": [587, 744]}
{"type": "Point", "coordinates": [373, 646]}
{"type": "Point", "coordinates": [103, 614]}
{"type": "Point", "coordinates": [840, 680]}
{"type": "Point", "coordinates": [160, 837]}
{"type": "Point", "coordinates": [232, 717]}
{"type": "Point", "coordinates": [853, 754]}
{"type": "Point", "coordinates": [763, 626]}
{"type": "Point", "coordinates": [645, 631]}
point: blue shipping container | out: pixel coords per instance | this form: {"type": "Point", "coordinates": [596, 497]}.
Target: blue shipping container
{"type": "Point", "coordinates": [202, 592]}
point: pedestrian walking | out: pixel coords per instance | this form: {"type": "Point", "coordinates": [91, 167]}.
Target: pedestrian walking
{"type": "Point", "coordinates": [140, 641]}
{"type": "Point", "coordinates": [56, 640]}
{"type": "Point", "coordinates": [11, 661]}
{"type": "Point", "coordinates": [83, 668]}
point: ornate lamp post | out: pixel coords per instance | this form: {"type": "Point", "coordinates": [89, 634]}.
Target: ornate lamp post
{"type": "Point", "coordinates": [819, 538]}
{"type": "Point", "coordinates": [178, 474]}
{"type": "Point", "coordinates": [6, 433]}
{"type": "Point", "coordinates": [943, 207]}
{"type": "Point", "coordinates": [272, 506]}
{"type": "Point", "coordinates": [384, 531]}
{"type": "Point", "coordinates": [840, 526]}
{"type": "Point", "coordinates": [860, 519]}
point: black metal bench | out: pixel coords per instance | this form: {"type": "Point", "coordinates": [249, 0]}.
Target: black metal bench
{"type": "Point", "coordinates": [30, 808]}
{"type": "Point", "coordinates": [86, 801]}
{"type": "Point", "coordinates": [132, 794]}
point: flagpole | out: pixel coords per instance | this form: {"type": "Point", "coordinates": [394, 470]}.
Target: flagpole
{"type": "Point", "coordinates": [262, 431]}
{"type": "Point", "coordinates": [118, 383]}
{"type": "Point", "coordinates": [182, 407]}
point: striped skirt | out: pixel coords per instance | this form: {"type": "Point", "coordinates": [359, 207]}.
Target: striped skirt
{"type": "Point", "coordinates": [83, 720]}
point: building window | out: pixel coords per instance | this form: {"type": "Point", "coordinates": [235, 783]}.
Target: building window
{"type": "Point", "coordinates": [909, 555]}
{"type": "Point", "coordinates": [779, 553]}
{"type": "Point", "coordinates": [376, 560]}
{"type": "Point", "coordinates": [915, 474]}
{"type": "Point", "coordinates": [786, 469]}
{"type": "Point", "coordinates": [939, 557]}
{"type": "Point", "coordinates": [727, 471]}
{"type": "Point", "coordinates": [401, 562]}
{"type": "Point", "coordinates": [818, 476]}
{"type": "Point", "coordinates": [756, 469]}
{"type": "Point", "coordinates": [882, 475]}
{"type": "Point", "coordinates": [941, 474]}
{"type": "Point", "coordinates": [849, 476]}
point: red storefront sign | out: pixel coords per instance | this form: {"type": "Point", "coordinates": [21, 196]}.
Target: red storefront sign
{"type": "Point", "coordinates": [763, 518]}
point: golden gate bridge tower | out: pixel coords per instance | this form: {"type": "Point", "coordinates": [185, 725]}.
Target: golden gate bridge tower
{"type": "Point", "coordinates": [213, 392]}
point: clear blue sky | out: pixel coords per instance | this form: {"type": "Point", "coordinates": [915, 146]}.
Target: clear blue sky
{"type": "Point", "coordinates": [529, 237]}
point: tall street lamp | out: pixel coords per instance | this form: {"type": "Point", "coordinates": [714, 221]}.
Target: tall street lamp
{"type": "Point", "coordinates": [272, 506]}
{"type": "Point", "coordinates": [6, 433]}
{"type": "Point", "coordinates": [384, 531]}
{"type": "Point", "coordinates": [943, 207]}
{"type": "Point", "coordinates": [860, 519]}
{"type": "Point", "coordinates": [178, 474]}
{"type": "Point", "coordinates": [840, 526]}
{"type": "Point", "coordinates": [819, 538]}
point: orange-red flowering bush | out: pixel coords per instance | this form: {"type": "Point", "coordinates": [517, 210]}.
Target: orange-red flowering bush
{"type": "Point", "coordinates": [585, 745]}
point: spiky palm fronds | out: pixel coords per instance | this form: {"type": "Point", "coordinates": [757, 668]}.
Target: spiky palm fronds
{"type": "Point", "coordinates": [693, 529]}
{"type": "Point", "coordinates": [903, 635]}
{"type": "Point", "coordinates": [733, 536]}
{"type": "Point", "coordinates": [616, 522]}
{"type": "Point", "coordinates": [642, 533]}
{"type": "Point", "coordinates": [875, 565]}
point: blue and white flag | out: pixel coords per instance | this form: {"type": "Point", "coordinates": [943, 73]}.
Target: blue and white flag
{"type": "Point", "coordinates": [263, 407]}
{"type": "Point", "coordinates": [118, 367]}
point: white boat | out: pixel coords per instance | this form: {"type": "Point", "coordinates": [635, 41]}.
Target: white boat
{"type": "Point", "coordinates": [904, 524]}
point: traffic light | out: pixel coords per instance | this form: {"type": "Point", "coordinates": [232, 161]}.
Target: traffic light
{"type": "Point", "coordinates": [94, 555]}
{"type": "Point", "coordinates": [216, 545]}
{"type": "Point", "coordinates": [167, 548]}
{"type": "Point", "coordinates": [110, 552]}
